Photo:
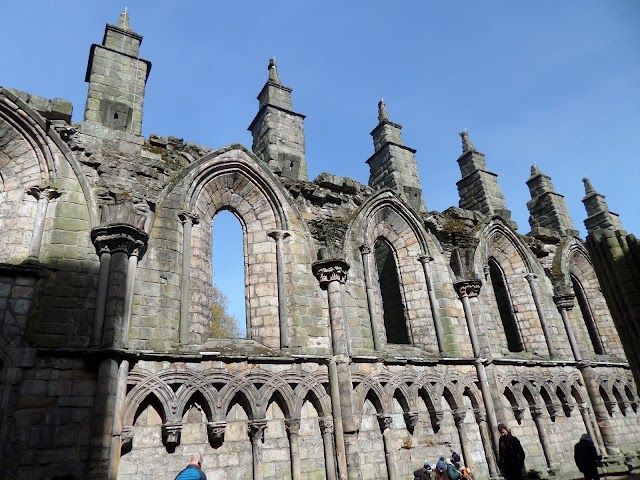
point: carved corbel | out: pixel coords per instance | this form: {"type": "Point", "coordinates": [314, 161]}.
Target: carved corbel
{"type": "Point", "coordinates": [215, 432]}
{"type": "Point", "coordinates": [326, 425]}
{"type": "Point", "coordinates": [256, 429]}
{"type": "Point", "coordinates": [459, 416]}
{"type": "Point", "coordinates": [611, 407]}
{"type": "Point", "coordinates": [518, 413]}
{"type": "Point", "coordinates": [568, 408]}
{"type": "Point", "coordinates": [126, 439]}
{"type": "Point", "coordinates": [385, 421]}
{"type": "Point", "coordinates": [292, 426]}
{"type": "Point", "coordinates": [553, 411]}
{"type": "Point", "coordinates": [411, 420]}
{"type": "Point", "coordinates": [436, 419]}
{"type": "Point", "coordinates": [171, 434]}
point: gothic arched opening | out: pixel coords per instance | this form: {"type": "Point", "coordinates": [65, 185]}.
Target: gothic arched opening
{"type": "Point", "coordinates": [587, 316]}
{"type": "Point", "coordinates": [505, 307]}
{"type": "Point", "coordinates": [393, 313]}
{"type": "Point", "coordinates": [228, 276]}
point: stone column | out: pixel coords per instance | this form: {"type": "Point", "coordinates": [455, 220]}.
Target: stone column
{"type": "Point", "coordinates": [365, 251]}
{"type": "Point", "coordinates": [326, 429]}
{"type": "Point", "coordinates": [435, 314]}
{"type": "Point", "coordinates": [332, 276]}
{"type": "Point", "coordinates": [279, 236]}
{"type": "Point", "coordinates": [118, 415]}
{"type": "Point", "coordinates": [599, 408]}
{"type": "Point", "coordinates": [536, 413]}
{"type": "Point", "coordinates": [485, 436]}
{"type": "Point", "coordinates": [565, 303]}
{"type": "Point", "coordinates": [293, 431]}
{"type": "Point", "coordinates": [43, 195]}
{"type": "Point", "coordinates": [126, 244]}
{"type": "Point", "coordinates": [594, 433]}
{"type": "Point", "coordinates": [385, 421]}
{"type": "Point", "coordinates": [466, 290]}
{"type": "Point", "coordinates": [256, 434]}
{"type": "Point", "coordinates": [101, 295]}
{"type": "Point", "coordinates": [187, 219]}
{"type": "Point", "coordinates": [531, 278]}
{"type": "Point", "coordinates": [458, 417]}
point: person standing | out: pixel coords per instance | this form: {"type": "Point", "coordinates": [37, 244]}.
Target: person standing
{"type": "Point", "coordinates": [454, 467]}
{"type": "Point", "coordinates": [511, 455]}
{"type": "Point", "coordinates": [587, 458]}
{"type": "Point", "coordinates": [193, 471]}
{"type": "Point", "coordinates": [423, 473]}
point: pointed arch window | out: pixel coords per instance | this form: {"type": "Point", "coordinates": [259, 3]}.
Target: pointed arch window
{"type": "Point", "coordinates": [391, 298]}
{"type": "Point", "coordinates": [505, 307]}
{"type": "Point", "coordinates": [587, 316]}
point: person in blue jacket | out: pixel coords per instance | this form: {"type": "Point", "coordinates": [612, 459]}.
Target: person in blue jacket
{"type": "Point", "coordinates": [193, 471]}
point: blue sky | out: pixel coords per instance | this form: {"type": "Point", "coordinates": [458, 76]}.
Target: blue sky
{"type": "Point", "coordinates": [555, 83]}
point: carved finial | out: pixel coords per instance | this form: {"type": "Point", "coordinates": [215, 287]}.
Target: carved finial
{"type": "Point", "coordinates": [588, 188]}
{"type": "Point", "coordinates": [535, 170]}
{"type": "Point", "coordinates": [382, 111]}
{"type": "Point", "coordinates": [123, 21]}
{"type": "Point", "coordinates": [467, 146]}
{"type": "Point", "coordinates": [273, 71]}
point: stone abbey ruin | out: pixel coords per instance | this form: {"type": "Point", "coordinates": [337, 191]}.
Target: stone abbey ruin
{"type": "Point", "coordinates": [379, 334]}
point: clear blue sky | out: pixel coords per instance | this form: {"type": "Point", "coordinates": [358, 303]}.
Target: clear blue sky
{"type": "Point", "coordinates": [556, 83]}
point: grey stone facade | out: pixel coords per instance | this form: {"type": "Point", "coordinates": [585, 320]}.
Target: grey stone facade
{"type": "Point", "coordinates": [379, 334]}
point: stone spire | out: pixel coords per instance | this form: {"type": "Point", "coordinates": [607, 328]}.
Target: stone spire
{"type": "Point", "coordinates": [479, 190]}
{"type": "Point", "coordinates": [117, 77]}
{"type": "Point", "coordinates": [549, 216]}
{"type": "Point", "coordinates": [598, 214]}
{"type": "Point", "coordinates": [278, 131]}
{"type": "Point", "coordinates": [393, 165]}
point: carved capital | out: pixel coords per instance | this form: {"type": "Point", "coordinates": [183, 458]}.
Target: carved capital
{"type": "Point", "coordinates": [119, 238]}
{"type": "Point", "coordinates": [215, 431]}
{"type": "Point", "coordinates": [468, 288]}
{"type": "Point", "coordinates": [365, 249]}
{"type": "Point", "coordinates": [126, 438]}
{"type": "Point", "coordinates": [437, 417]}
{"type": "Point", "coordinates": [459, 416]}
{"type": "Point", "coordinates": [278, 234]}
{"type": "Point", "coordinates": [425, 259]}
{"type": "Point", "coordinates": [171, 433]}
{"type": "Point", "coordinates": [536, 411]}
{"type": "Point", "coordinates": [481, 416]}
{"type": "Point", "coordinates": [385, 421]}
{"type": "Point", "coordinates": [565, 302]}
{"type": "Point", "coordinates": [327, 271]}
{"type": "Point", "coordinates": [185, 217]}
{"type": "Point", "coordinates": [553, 410]}
{"type": "Point", "coordinates": [326, 425]}
{"type": "Point", "coordinates": [256, 429]}
{"type": "Point", "coordinates": [44, 193]}
{"type": "Point", "coordinates": [293, 426]}
{"type": "Point", "coordinates": [584, 408]}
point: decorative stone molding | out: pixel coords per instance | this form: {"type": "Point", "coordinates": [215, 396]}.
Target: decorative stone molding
{"type": "Point", "coordinates": [437, 417]}
{"type": "Point", "coordinates": [553, 411]}
{"type": "Point", "coordinates": [185, 216]}
{"type": "Point", "coordinates": [384, 420]}
{"type": "Point", "coordinates": [481, 416]}
{"type": "Point", "coordinates": [468, 288]}
{"type": "Point", "coordinates": [215, 432]}
{"type": "Point", "coordinates": [327, 271]}
{"type": "Point", "coordinates": [171, 434]}
{"type": "Point", "coordinates": [119, 238]}
{"type": "Point", "coordinates": [365, 249]}
{"type": "Point", "coordinates": [611, 407]}
{"type": "Point", "coordinates": [566, 302]}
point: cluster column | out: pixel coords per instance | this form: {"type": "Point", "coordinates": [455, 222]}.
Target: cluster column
{"type": "Point", "coordinates": [326, 429]}
{"type": "Point", "coordinates": [332, 276]}
{"type": "Point", "coordinates": [293, 431]}
{"type": "Point", "coordinates": [536, 413]}
{"type": "Point", "coordinates": [531, 278]}
{"type": "Point", "coordinates": [256, 429]}
{"type": "Point", "coordinates": [385, 421]}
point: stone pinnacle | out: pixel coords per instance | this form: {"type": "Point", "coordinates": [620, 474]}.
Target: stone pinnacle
{"type": "Point", "coordinates": [273, 71]}
{"type": "Point", "coordinates": [123, 21]}
{"type": "Point", "coordinates": [467, 146]}
{"type": "Point", "coordinates": [382, 111]}
{"type": "Point", "coordinates": [588, 188]}
{"type": "Point", "coordinates": [535, 170]}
